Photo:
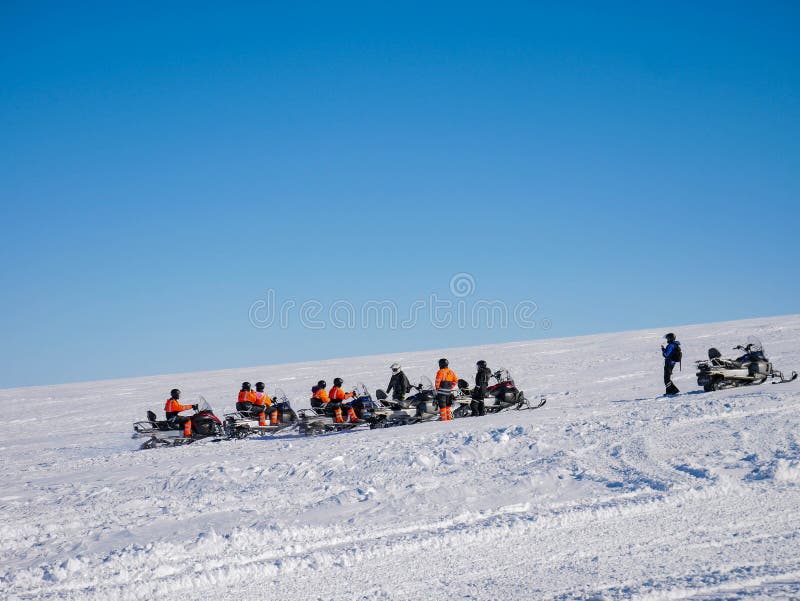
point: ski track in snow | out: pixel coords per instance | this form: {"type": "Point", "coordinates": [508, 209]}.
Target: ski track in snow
{"type": "Point", "coordinates": [607, 492]}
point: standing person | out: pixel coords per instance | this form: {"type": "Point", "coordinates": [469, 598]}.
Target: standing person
{"type": "Point", "coordinates": [173, 406]}
{"type": "Point", "coordinates": [337, 395]}
{"type": "Point", "coordinates": [399, 385]}
{"type": "Point", "coordinates": [446, 381]}
{"type": "Point", "coordinates": [672, 355]}
{"type": "Point", "coordinates": [481, 389]}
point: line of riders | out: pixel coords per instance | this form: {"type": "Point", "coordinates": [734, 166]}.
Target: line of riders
{"type": "Point", "coordinates": [259, 405]}
{"type": "Point", "coordinates": [335, 409]}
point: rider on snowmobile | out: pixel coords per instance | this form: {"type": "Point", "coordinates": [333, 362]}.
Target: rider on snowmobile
{"type": "Point", "coordinates": [264, 402]}
{"type": "Point", "coordinates": [336, 396]}
{"type": "Point", "coordinates": [399, 385]}
{"type": "Point", "coordinates": [672, 354]}
{"type": "Point", "coordinates": [446, 381]}
{"type": "Point", "coordinates": [172, 407]}
{"type": "Point", "coordinates": [481, 389]}
{"type": "Point", "coordinates": [319, 396]}
{"type": "Point", "coordinates": [246, 401]}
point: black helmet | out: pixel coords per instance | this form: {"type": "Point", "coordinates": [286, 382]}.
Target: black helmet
{"type": "Point", "coordinates": [245, 385]}
{"type": "Point", "coordinates": [260, 386]}
{"type": "Point", "coordinates": [443, 363]}
{"type": "Point", "coordinates": [481, 363]}
{"type": "Point", "coordinates": [670, 337]}
{"type": "Point", "coordinates": [175, 393]}
{"type": "Point", "coordinates": [338, 382]}
{"type": "Point", "coordinates": [322, 384]}
{"type": "Point", "coordinates": [714, 353]}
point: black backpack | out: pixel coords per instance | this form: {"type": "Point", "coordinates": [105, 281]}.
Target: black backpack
{"type": "Point", "coordinates": [677, 354]}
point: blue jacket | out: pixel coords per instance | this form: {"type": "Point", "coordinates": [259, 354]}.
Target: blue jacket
{"type": "Point", "coordinates": [667, 352]}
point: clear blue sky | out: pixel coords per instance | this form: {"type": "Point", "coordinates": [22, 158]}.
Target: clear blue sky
{"type": "Point", "coordinates": [624, 165]}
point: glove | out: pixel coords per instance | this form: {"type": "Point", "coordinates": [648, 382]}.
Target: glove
{"type": "Point", "coordinates": [194, 407]}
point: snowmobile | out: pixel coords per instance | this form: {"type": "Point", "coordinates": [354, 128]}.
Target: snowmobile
{"type": "Point", "coordinates": [419, 407]}
{"type": "Point", "coordinates": [240, 424]}
{"type": "Point", "coordinates": [504, 394]}
{"type": "Point", "coordinates": [320, 419]}
{"type": "Point", "coordinates": [753, 367]}
{"type": "Point", "coordinates": [164, 433]}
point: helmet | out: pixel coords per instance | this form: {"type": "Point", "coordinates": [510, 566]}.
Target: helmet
{"type": "Point", "coordinates": [670, 337]}
{"type": "Point", "coordinates": [175, 393]}
{"type": "Point", "coordinates": [338, 382]}
{"type": "Point", "coordinates": [443, 363]}
{"type": "Point", "coordinates": [245, 385]}
{"type": "Point", "coordinates": [322, 384]}
{"type": "Point", "coordinates": [260, 386]}
{"type": "Point", "coordinates": [395, 367]}
{"type": "Point", "coordinates": [481, 363]}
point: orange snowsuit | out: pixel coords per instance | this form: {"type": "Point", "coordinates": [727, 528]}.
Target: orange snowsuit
{"type": "Point", "coordinates": [445, 375]}
{"type": "Point", "coordinates": [321, 395]}
{"type": "Point", "coordinates": [174, 406]}
{"type": "Point", "coordinates": [262, 398]}
{"type": "Point", "coordinates": [247, 396]}
{"type": "Point", "coordinates": [337, 394]}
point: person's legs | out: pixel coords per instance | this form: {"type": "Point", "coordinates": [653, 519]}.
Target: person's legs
{"type": "Point", "coordinates": [442, 401]}
{"type": "Point", "coordinates": [671, 388]}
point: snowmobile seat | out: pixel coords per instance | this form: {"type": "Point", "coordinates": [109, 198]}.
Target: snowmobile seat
{"type": "Point", "coordinates": [151, 417]}
{"type": "Point", "coordinates": [714, 353]}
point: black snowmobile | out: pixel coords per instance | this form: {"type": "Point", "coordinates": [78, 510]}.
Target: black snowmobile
{"type": "Point", "coordinates": [320, 419]}
{"type": "Point", "coordinates": [164, 433]}
{"type": "Point", "coordinates": [240, 424]}
{"type": "Point", "coordinates": [503, 394]}
{"type": "Point", "coordinates": [418, 407]}
{"type": "Point", "coordinates": [753, 367]}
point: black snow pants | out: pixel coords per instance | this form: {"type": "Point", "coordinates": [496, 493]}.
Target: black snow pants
{"type": "Point", "coordinates": [671, 388]}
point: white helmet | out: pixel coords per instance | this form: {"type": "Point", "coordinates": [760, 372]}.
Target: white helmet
{"type": "Point", "coordinates": [395, 367]}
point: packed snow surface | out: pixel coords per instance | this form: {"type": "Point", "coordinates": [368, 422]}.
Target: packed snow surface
{"type": "Point", "coordinates": [608, 492]}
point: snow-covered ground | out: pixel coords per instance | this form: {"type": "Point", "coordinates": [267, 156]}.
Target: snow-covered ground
{"type": "Point", "coordinates": [608, 492]}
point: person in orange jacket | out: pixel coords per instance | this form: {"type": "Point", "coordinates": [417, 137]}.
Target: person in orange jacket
{"type": "Point", "coordinates": [265, 402]}
{"type": "Point", "coordinates": [248, 404]}
{"type": "Point", "coordinates": [337, 395]}
{"type": "Point", "coordinates": [319, 396]}
{"type": "Point", "coordinates": [446, 382]}
{"type": "Point", "coordinates": [173, 407]}
{"type": "Point", "coordinates": [246, 399]}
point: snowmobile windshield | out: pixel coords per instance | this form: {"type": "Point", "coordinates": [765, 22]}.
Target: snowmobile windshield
{"type": "Point", "coordinates": [202, 404]}
{"type": "Point", "coordinates": [279, 396]}
{"type": "Point", "coordinates": [503, 375]}
{"type": "Point", "coordinates": [361, 390]}
{"type": "Point", "coordinates": [754, 345]}
{"type": "Point", "coordinates": [424, 383]}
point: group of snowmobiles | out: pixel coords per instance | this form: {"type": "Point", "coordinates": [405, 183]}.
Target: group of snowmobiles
{"type": "Point", "coordinates": [419, 402]}
{"type": "Point", "coordinates": [422, 404]}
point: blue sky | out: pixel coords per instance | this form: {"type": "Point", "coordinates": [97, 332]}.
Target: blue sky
{"type": "Point", "coordinates": [622, 165]}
